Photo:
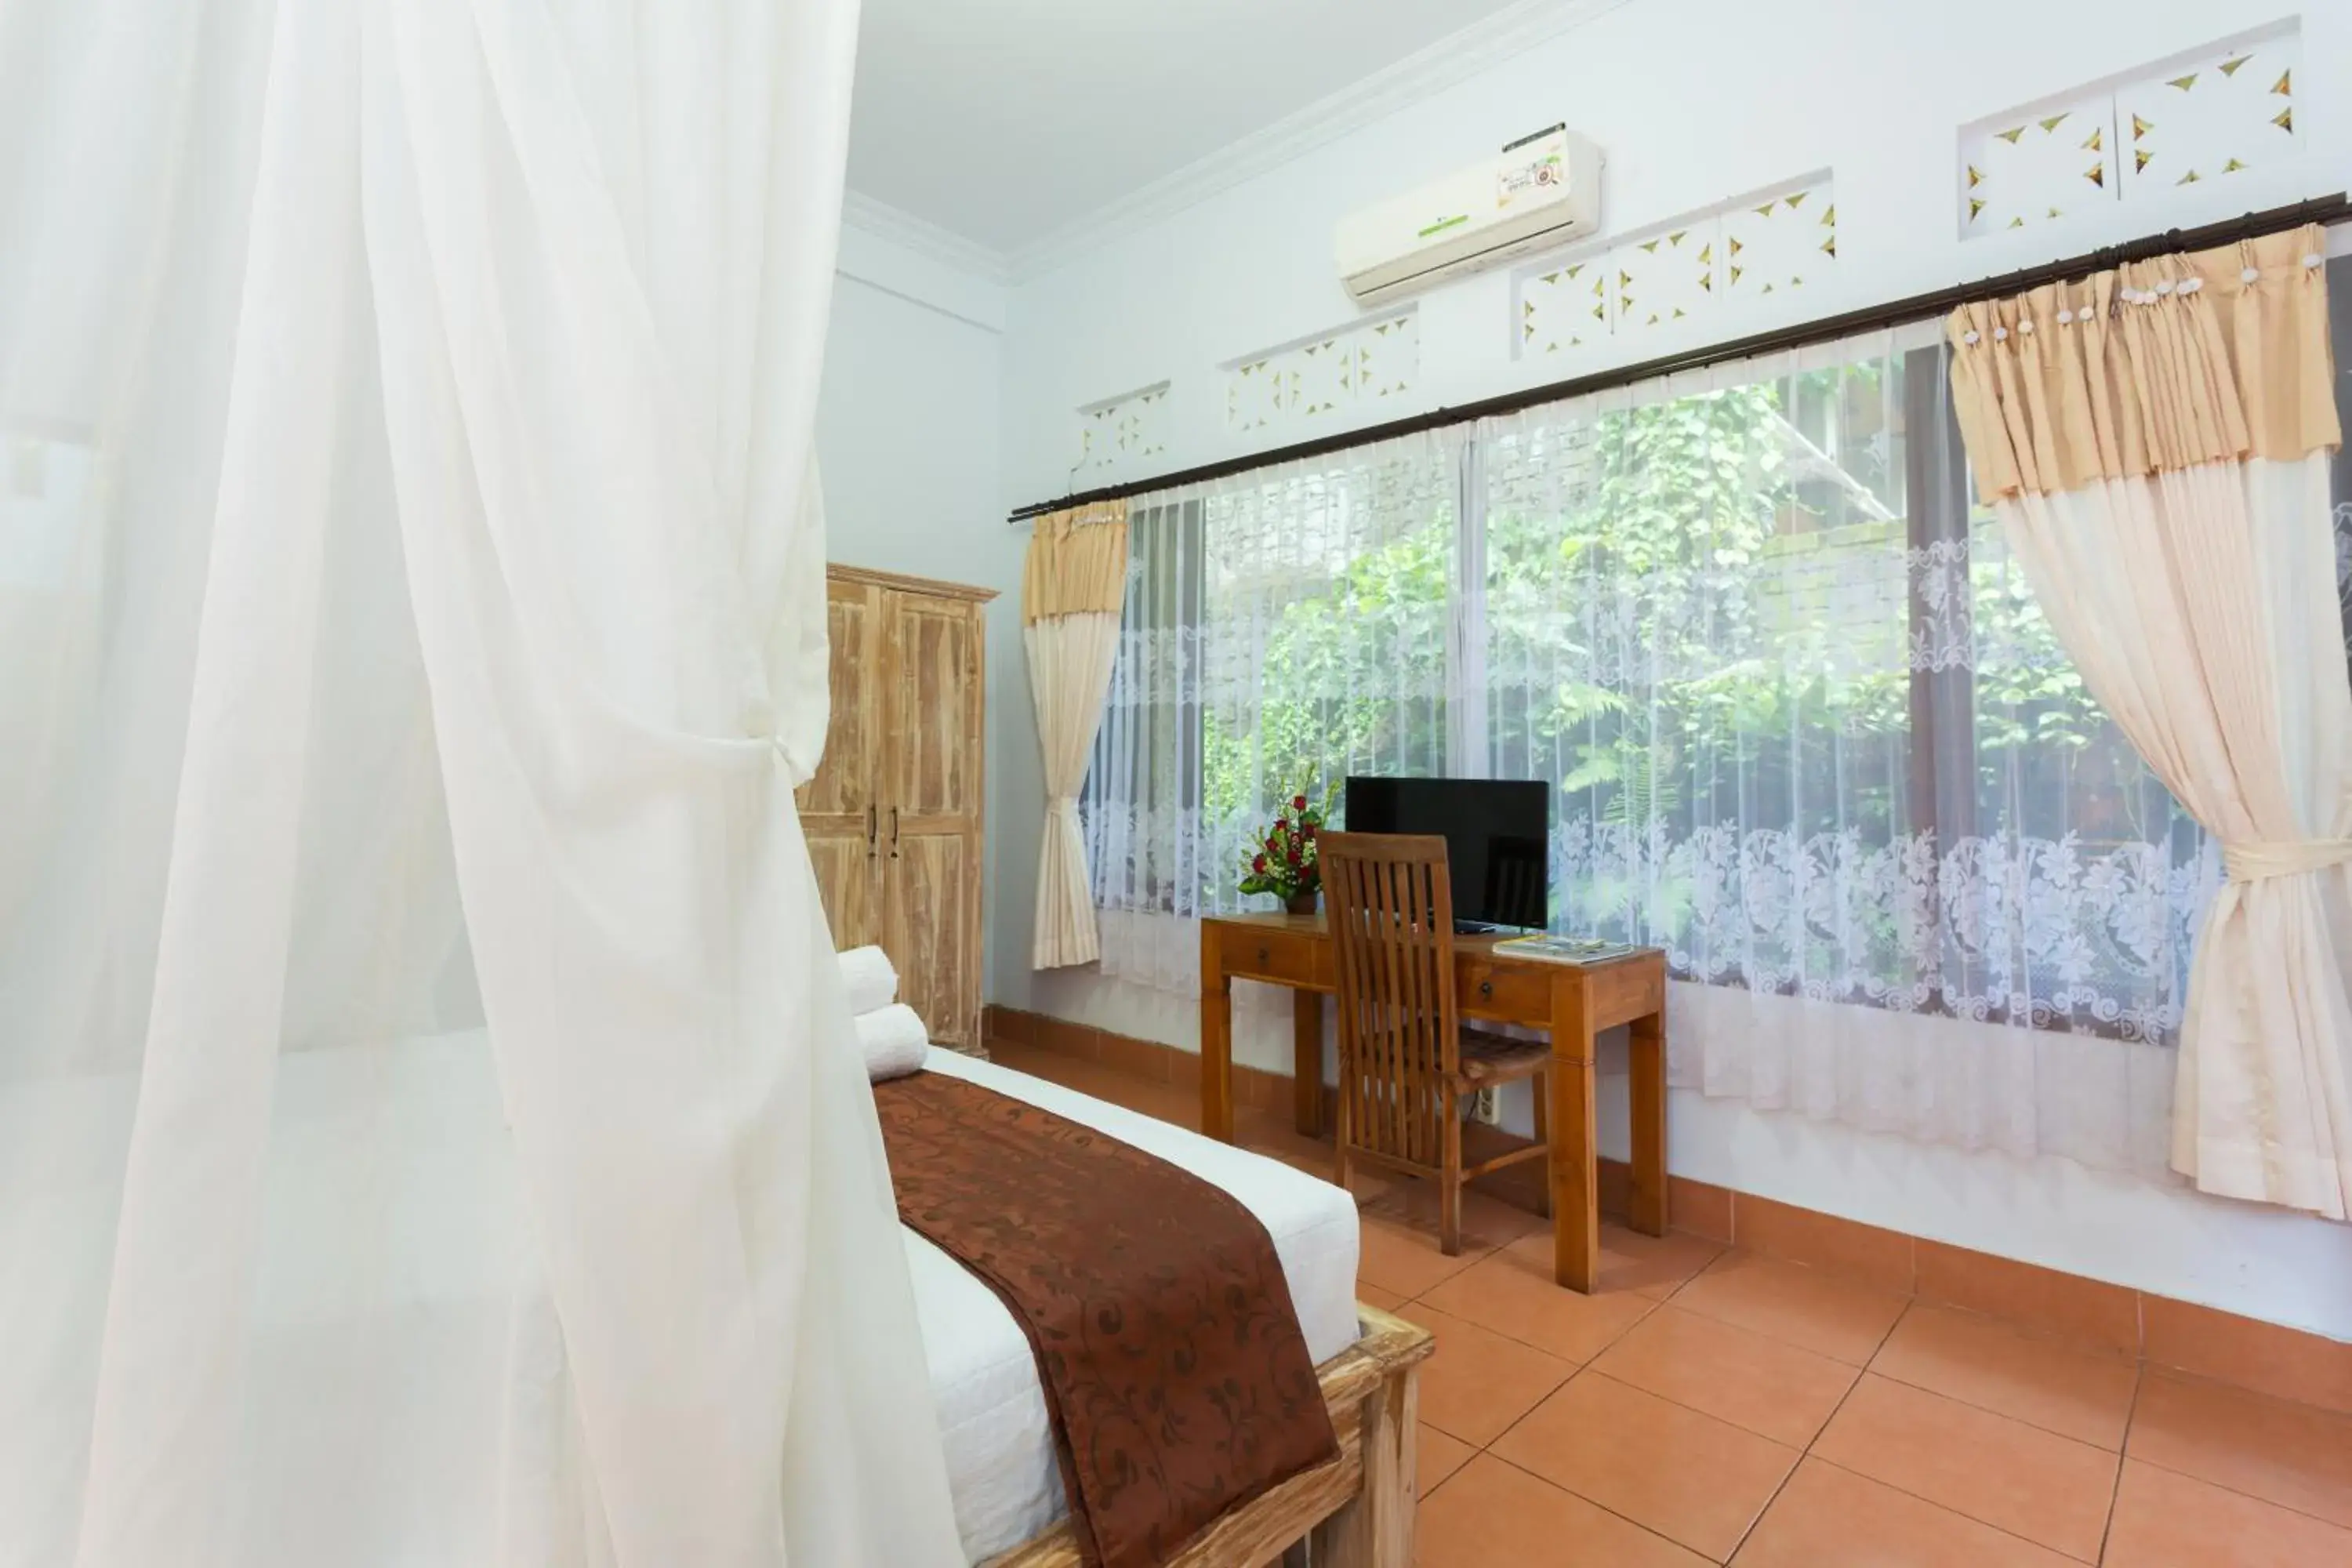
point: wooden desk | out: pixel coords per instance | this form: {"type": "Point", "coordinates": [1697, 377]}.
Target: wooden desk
{"type": "Point", "coordinates": [1572, 1002]}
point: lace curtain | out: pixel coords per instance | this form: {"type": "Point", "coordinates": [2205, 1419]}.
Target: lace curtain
{"type": "Point", "coordinates": [1282, 629]}
{"type": "Point", "coordinates": [1812, 736]}
{"type": "Point", "coordinates": [1808, 728]}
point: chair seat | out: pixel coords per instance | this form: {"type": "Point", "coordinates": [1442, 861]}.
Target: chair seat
{"type": "Point", "coordinates": [1498, 1058]}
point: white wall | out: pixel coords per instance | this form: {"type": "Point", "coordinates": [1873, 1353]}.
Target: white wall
{"type": "Point", "coordinates": [1694, 101]}
{"type": "Point", "coordinates": [909, 433]}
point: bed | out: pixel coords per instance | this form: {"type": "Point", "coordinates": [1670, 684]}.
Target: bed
{"type": "Point", "coordinates": [415, 1141]}
{"type": "Point", "coordinates": [1000, 1465]}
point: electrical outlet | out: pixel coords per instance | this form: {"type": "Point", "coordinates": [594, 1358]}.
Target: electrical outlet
{"type": "Point", "coordinates": [1488, 1107]}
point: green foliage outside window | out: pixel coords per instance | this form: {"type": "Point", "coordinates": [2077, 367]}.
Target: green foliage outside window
{"type": "Point", "coordinates": [1684, 547]}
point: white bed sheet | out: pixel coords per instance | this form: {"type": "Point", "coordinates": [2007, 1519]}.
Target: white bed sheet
{"type": "Point", "coordinates": [423, 1130]}
{"type": "Point", "coordinates": [992, 1408]}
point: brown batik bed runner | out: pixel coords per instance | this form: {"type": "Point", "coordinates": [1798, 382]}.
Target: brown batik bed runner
{"type": "Point", "coordinates": [1175, 1373]}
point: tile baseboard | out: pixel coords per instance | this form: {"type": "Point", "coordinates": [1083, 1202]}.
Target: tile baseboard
{"type": "Point", "coordinates": [2245, 1353]}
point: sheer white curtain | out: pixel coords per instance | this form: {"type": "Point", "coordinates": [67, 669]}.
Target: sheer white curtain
{"type": "Point", "coordinates": [1812, 735]}
{"type": "Point", "coordinates": [1808, 728]}
{"type": "Point", "coordinates": [2157, 441]}
{"type": "Point", "coordinates": [428, 1129]}
{"type": "Point", "coordinates": [1282, 629]}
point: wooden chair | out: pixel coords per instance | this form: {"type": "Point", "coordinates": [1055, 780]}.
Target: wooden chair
{"type": "Point", "coordinates": [1405, 1062]}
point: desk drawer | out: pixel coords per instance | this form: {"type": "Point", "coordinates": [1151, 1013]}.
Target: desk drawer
{"type": "Point", "coordinates": [1502, 993]}
{"type": "Point", "coordinates": [1286, 958]}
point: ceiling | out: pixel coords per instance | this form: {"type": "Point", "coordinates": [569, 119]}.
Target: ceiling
{"type": "Point", "coordinates": [1002, 120]}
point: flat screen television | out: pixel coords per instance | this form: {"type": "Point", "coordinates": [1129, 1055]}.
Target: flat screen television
{"type": "Point", "coordinates": [1497, 832]}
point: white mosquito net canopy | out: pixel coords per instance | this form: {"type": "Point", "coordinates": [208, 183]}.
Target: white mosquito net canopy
{"type": "Point", "coordinates": [428, 1129]}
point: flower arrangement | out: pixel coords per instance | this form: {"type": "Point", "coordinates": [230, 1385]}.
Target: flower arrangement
{"type": "Point", "coordinates": [1284, 863]}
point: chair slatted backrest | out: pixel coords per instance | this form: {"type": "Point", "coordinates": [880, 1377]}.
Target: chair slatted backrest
{"type": "Point", "coordinates": [1390, 899]}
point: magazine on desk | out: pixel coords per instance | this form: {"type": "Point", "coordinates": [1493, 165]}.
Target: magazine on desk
{"type": "Point", "coordinates": [1565, 948]}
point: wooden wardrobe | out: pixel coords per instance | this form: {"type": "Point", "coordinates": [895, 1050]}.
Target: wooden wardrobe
{"type": "Point", "coordinates": [893, 816]}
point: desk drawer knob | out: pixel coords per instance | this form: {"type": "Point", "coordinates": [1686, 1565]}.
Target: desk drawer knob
{"type": "Point", "coordinates": [1485, 988]}
{"type": "Point", "coordinates": [1265, 954]}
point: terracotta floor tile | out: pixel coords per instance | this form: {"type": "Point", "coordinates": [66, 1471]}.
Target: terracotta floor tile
{"type": "Point", "coordinates": [1691, 1478]}
{"type": "Point", "coordinates": [1699, 1207]}
{"type": "Point", "coordinates": [1513, 1292]}
{"type": "Point", "coordinates": [2169, 1521]}
{"type": "Point", "coordinates": [1829, 1518]}
{"type": "Point", "coordinates": [1400, 1259]}
{"type": "Point", "coordinates": [1271, 1133]}
{"type": "Point", "coordinates": [2064, 1305]}
{"type": "Point", "coordinates": [2049, 1489]}
{"type": "Point", "coordinates": [2292, 1454]}
{"type": "Point", "coordinates": [1492, 1516]}
{"type": "Point", "coordinates": [1437, 1456]}
{"type": "Point", "coordinates": [2079, 1394]}
{"type": "Point", "coordinates": [2281, 1362]}
{"type": "Point", "coordinates": [1088, 1076]}
{"type": "Point", "coordinates": [1486, 1222]}
{"type": "Point", "coordinates": [1022, 1055]}
{"type": "Point", "coordinates": [1653, 1266]}
{"type": "Point", "coordinates": [1478, 1383]}
{"type": "Point", "coordinates": [1864, 1252]}
{"type": "Point", "coordinates": [1771, 1388]}
{"type": "Point", "coordinates": [1821, 1312]}
{"type": "Point", "coordinates": [1656, 1265]}
{"type": "Point", "coordinates": [1373, 1296]}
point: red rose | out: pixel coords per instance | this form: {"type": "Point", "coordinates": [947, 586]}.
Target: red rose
{"type": "Point", "coordinates": [1294, 854]}
{"type": "Point", "coordinates": [1258, 864]}
{"type": "Point", "coordinates": [1307, 832]}
{"type": "Point", "coordinates": [1298, 802]}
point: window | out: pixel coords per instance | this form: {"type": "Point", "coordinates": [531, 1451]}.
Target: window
{"type": "Point", "coordinates": [1807, 727]}
{"type": "Point", "coordinates": [1281, 630]}
{"type": "Point", "coordinates": [1809, 730]}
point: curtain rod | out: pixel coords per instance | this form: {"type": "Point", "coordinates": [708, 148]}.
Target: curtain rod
{"type": "Point", "coordinates": [1938, 302]}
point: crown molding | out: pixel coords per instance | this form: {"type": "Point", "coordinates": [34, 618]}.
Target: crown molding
{"type": "Point", "coordinates": [924, 237]}
{"type": "Point", "coordinates": [1448, 62]}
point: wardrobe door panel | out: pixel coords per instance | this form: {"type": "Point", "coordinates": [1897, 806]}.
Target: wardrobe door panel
{"type": "Point", "coordinates": [934, 724]}
{"type": "Point", "coordinates": [930, 884]}
{"type": "Point", "coordinates": [936, 743]}
{"type": "Point", "coordinates": [841, 811]}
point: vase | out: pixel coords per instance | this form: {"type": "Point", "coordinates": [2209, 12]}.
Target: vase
{"type": "Point", "coordinates": [1301, 903]}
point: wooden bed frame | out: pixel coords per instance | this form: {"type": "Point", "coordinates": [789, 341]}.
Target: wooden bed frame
{"type": "Point", "coordinates": [1356, 1511]}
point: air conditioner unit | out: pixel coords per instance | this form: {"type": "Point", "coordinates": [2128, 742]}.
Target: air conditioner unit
{"type": "Point", "coordinates": [1542, 191]}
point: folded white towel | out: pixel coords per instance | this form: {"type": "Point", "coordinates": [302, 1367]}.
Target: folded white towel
{"type": "Point", "coordinates": [893, 1040]}
{"type": "Point", "coordinates": [873, 983]}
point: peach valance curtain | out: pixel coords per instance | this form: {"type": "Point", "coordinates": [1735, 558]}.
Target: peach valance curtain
{"type": "Point", "coordinates": [2198, 358]}
{"type": "Point", "coordinates": [1071, 599]}
{"type": "Point", "coordinates": [2156, 440]}
{"type": "Point", "coordinates": [1078, 563]}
